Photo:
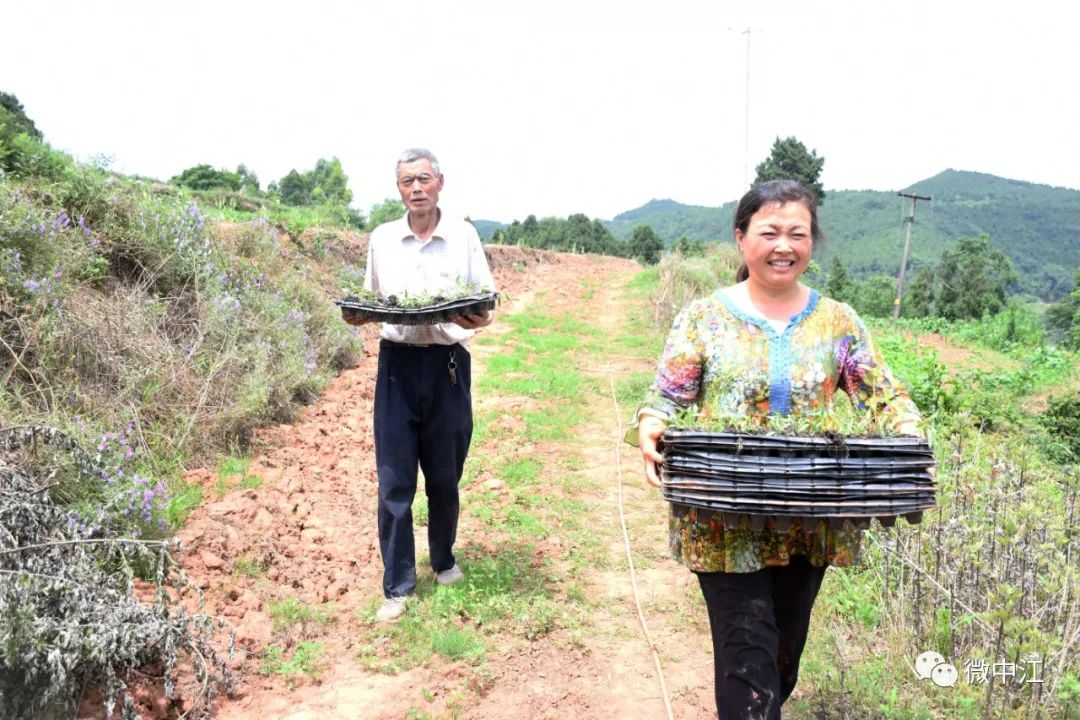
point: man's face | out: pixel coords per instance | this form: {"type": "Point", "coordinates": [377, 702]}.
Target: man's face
{"type": "Point", "coordinates": [419, 185]}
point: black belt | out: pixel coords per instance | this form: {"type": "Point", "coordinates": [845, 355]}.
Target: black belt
{"type": "Point", "coordinates": [383, 343]}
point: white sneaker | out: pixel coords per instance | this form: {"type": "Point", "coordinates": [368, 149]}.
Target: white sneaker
{"type": "Point", "coordinates": [392, 609]}
{"type": "Point", "coordinates": [449, 577]}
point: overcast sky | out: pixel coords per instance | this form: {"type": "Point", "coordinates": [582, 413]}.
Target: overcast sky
{"type": "Point", "coordinates": [555, 107]}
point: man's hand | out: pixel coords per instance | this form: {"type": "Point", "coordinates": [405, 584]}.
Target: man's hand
{"type": "Point", "coordinates": [472, 322]}
{"type": "Point", "coordinates": [353, 318]}
{"type": "Point", "coordinates": [650, 428]}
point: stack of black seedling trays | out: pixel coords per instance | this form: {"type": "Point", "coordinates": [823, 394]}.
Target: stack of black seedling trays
{"type": "Point", "coordinates": [437, 312]}
{"type": "Point", "coordinates": [797, 476]}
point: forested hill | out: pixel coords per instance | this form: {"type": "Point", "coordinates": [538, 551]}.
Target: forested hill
{"type": "Point", "coordinates": [1037, 226]}
{"type": "Point", "coordinates": [672, 220]}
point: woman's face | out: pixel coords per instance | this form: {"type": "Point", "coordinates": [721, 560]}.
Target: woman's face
{"type": "Point", "coordinates": [777, 244]}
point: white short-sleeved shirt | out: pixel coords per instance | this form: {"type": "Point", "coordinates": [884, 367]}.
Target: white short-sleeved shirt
{"type": "Point", "coordinates": [398, 263]}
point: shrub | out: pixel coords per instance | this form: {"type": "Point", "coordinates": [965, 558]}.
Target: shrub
{"type": "Point", "coordinates": [1062, 419]}
{"type": "Point", "coordinates": [121, 305]}
{"type": "Point", "coordinates": [69, 615]}
{"type": "Point", "coordinates": [684, 279]}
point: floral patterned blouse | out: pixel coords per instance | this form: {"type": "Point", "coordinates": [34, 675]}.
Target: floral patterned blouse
{"type": "Point", "coordinates": [731, 364]}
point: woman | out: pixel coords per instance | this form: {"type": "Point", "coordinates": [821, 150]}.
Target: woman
{"type": "Point", "coordinates": [768, 345]}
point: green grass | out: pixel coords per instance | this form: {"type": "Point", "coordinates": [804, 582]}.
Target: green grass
{"type": "Point", "coordinates": [630, 389]}
{"type": "Point", "coordinates": [521, 472]}
{"type": "Point", "coordinates": [539, 359]}
{"type": "Point", "coordinates": [551, 424]}
{"type": "Point", "coordinates": [231, 467]}
{"type": "Point", "coordinates": [483, 429]}
{"type": "Point", "coordinates": [502, 595]}
{"type": "Point", "coordinates": [305, 659]}
{"type": "Point", "coordinates": [644, 284]}
{"type": "Point", "coordinates": [456, 644]}
{"type": "Point", "coordinates": [853, 596]}
{"type": "Point", "coordinates": [290, 611]}
{"type": "Point", "coordinates": [245, 566]}
{"type": "Point", "coordinates": [523, 524]}
{"type": "Point", "coordinates": [183, 499]}
{"type": "Point", "coordinates": [420, 509]}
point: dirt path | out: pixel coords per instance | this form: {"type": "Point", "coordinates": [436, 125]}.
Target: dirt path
{"type": "Point", "coordinates": [305, 529]}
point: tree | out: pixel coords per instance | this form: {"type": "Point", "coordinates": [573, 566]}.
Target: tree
{"type": "Point", "coordinates": [790, 160]}
{"type": "Point", "coordinates": [23, 151]}
{"type": "Point", "coordinates": [204, 177]}
{"type": "Point", "coordinates": [576, 233]}
{"type": "Point", "coordinates": [295, 189]}
{"type": "Point", "coordinates": [326, 184]}
{"type": "Point", "coordinates": [645, 245]}
{"type": "Point", "coordinates": [973, 279]}
{"type": "Point", "coordinates": [249, 182]}
{"type": "Point", "coordinates": [874, 296]}
{"type": "Point", "coordinates": [1063, 317]}
{"type": "Point", "coordinates": [386, 211]}
{"type": "Point", "coordinates": [14, 117]}
{"type": "Point", "coordinates": [688, 248]}
{"type": "Point", "coordinates": [329, 184]}
{"type": "Point", "coordinates": [920, 294]}
{"type": "Point", "coordinates": [838, 286]}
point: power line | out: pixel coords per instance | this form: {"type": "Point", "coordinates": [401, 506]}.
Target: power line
{"type": "Point", "coordinates": [748, 31]}
{"type": "Point", "coordinates": [746, 139]}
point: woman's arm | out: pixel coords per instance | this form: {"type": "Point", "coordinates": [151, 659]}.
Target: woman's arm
{"type": "Point", "coordinates": [676, 387]}
{"type": "Point", "coordinates": [868, 381]}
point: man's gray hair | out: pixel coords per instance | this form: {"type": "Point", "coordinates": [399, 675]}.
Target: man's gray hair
{"type": "Point", "coordinates": [413, 154]}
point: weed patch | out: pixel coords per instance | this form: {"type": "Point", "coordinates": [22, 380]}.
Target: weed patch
{"type": "Point", "coordinates": [304, 660]}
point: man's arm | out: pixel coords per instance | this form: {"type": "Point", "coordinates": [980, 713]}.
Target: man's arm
{"type": "Point", "coordinates": [472, 322]}
{"type": "Point", "coordinates": [479, 274]}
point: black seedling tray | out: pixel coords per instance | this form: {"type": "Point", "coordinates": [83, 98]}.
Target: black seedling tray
{"type": "Point", "coordinates": [897, 484]}
{"type": "Point", "coordinates": [438, 312]}
{"type": "Point", "coordinates": [741, 464]}
{"type": "Point", "coordinates": [797, 476]}
{"type": "Point", "coordinates": [786, 445]}
{"type": "Point", "coordinates": [851, 509]}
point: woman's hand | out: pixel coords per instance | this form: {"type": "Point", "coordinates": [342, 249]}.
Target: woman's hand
{"type": "Point", "coordinates": [907, 427]}
{"type": "Point", "coordinates": [650, 428]}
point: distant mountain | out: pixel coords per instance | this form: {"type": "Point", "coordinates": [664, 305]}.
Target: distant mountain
{"type": "Point", "coordinates": [487, 227]}
{"type": "Point", "coordinates": [671, 220]}
{"type": "Point", "coordinates": [1037, 226]}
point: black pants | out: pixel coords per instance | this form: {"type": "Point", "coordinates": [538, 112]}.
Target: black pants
{"type": "Point", "coordinates": [759, 622]}
{"type": "Point", "coordinates": [422, 417]}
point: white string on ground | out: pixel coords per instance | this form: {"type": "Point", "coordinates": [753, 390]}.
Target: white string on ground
{"type": "Point", "coordinates": [629, 554]}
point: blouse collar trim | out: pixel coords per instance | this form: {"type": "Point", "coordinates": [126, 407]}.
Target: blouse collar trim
{"type": "Point", "coordinates": [763, 323]}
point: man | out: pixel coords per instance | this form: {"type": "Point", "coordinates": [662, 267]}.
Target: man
{"type": "Point", "coordinates": [423, 405]}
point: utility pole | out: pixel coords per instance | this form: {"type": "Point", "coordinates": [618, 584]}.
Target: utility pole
{"type": "Point", "coordinates": [910, 220]}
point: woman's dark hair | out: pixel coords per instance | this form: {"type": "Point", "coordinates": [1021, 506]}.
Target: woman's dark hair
{"type": "Point", "coordinates": [775, 192]}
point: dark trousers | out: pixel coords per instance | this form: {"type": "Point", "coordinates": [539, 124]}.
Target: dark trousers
{"type": "Point", "coordinates": [759, 622]}
{"type": "Point", "coordinates": [422, 418]}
